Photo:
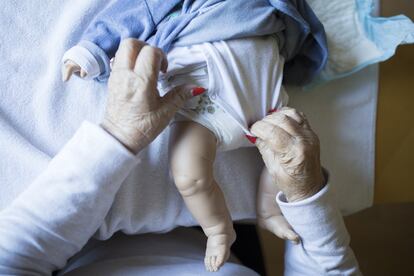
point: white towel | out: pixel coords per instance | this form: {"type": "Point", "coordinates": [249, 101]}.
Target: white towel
{"type": "Point", "coordinates": [39, 113]}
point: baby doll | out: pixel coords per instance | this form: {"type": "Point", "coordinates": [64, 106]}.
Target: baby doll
{"type": "Point", "coordinates": [244, 82]}
{"type": "Point", "coordinates": [243, 77]}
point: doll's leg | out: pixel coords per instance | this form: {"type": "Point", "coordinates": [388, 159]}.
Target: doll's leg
{"type": "Point", "coordinates": [193, 150]}
{"type": "Point", "coordinates": [269, 215]}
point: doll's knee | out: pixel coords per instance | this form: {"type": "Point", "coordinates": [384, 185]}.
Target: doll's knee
{"type": "Point", "coordinates": [191, 185]}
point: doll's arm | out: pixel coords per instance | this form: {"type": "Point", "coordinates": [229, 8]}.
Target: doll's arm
{"type": "Point", "coordinates": [118, 20]}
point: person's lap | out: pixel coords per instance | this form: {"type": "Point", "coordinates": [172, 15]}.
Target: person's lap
{"type": "Point", "coordinates": [179, 252]}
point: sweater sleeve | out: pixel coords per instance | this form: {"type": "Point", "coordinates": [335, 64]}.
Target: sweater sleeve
{"type": "Point", "coordinates": [324, 247]}
{"type": "Point", "coordinates": [59, 212]}
{"type": "Point", "coordinates": [118, 20]}
{"type": "Point", "coordinates": [99, 42]}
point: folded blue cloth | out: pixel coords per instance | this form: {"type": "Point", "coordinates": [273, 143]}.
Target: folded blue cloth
{"type": "Point", "coordinates": [168, 23]}
{"type": "Point", "coordinates": [356, 38]}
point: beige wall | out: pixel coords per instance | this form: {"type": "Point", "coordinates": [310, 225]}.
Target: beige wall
{"type": "Point", "coordinates": [383, 236]}
{"type": "Point", "coordinates": [395, 119]}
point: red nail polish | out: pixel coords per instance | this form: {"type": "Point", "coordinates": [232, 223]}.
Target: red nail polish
{"type": "Point", "coordinates": [252, 139]}
{"type": "Point", "coordinates": [272, 111]}
{"type": "Point", "coordinates": [198, 91]}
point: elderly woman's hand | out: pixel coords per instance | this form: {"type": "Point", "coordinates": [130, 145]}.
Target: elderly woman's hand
{"type": "Point", "coordinates": [290, 150]}
{"type": "Point", "coordinates": [135, 113]}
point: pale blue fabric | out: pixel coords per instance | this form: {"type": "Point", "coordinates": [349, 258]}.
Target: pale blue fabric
{"type": "Point", "coordinates": [381, 36]}
{"type": "Point", "coordinates": [386, 33]}
{"type": "Point", "coordinates": [167, 23]}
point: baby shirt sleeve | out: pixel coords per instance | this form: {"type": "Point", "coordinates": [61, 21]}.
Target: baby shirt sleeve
{"type": "Point", "coordinates": [117, 21]}
{"type": "Point", "coordinates": [59, 212]}
{"type": "Point", "coordinates": [324, 247]}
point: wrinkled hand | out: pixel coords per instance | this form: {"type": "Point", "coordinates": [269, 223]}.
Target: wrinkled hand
{"type": "Point", "coordinates": [290, 150]}
{"type": "Point", "coordinates": [135, 113]}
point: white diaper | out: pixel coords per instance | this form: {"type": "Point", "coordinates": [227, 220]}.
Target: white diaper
{"type": "Point", "coordinates": [243, 78]}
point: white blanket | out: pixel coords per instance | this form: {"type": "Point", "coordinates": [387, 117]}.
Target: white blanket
{"type": "Point", "coordinates": [39, 113]}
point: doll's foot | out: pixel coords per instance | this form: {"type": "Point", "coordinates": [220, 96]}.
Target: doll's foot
{"type": "Point", "coordinates": [218, 250]}
{"type": "Point", "coordinates": [279, 226]}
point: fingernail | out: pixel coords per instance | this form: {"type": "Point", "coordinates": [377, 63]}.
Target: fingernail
{"type": "Point", "coordinates": [272, 111]}
{"type": "Point", "coordinates": [198, 91]}
{"type": "Point", "coordinates": [252, 139]}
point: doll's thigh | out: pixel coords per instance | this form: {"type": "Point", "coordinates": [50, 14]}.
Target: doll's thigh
{"type": "Point", "coordinates": [192, 149]}
{"type": "Point", "coordinates": [191, 137]}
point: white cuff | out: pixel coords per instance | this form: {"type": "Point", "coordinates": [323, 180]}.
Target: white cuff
{"type": "Point", "coordinates": [324, 239]}
{"type": "Point", "coordinates": [281, 198]}
{"type": "Point", "coordinates": [85, 59]}
{"type": "Point", "coordinates": [309, 211]}
{"type": "Point", "coordinates": [315, 218]}
{"type": "Point", "coordinates": [106, 141]}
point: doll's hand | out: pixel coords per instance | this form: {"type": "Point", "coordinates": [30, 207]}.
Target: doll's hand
{"type": "Point", "coordinates": [135, 113]}
{"type": "Point", "coordinates": [290, 150]}
{"type": "Point", "coordinates": [69, 68]}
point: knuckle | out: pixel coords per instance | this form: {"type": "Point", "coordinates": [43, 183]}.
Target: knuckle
{"type": "Point", "coordinates": [285, 108]}
{"type": "Point", "coordinates": [283, 119]}
{"type": "Point", "coordinates": [151, 52]}
{"type": "Point", "coordinates": [273, 117]}
{"type": "Point", "coordinates": [296, 113]}
{"type": "Point", "coordinates": [291, 109]}
{"type": "Point", "coordinates": [257, 127]}
{"type": "Point", "coordinates": [130, 42]}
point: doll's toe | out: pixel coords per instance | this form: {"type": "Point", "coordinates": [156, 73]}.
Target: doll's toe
{"type": "Point", "coordinates": [279, 226]}
{"type": "Point", "coordinates": [292, 236]}
{"type": "Point", "coordinates": [221, 259]}
{"type": "Point", "coordinates": [214, 267]}
{"type": "Point", "coordinates": [213, 263]}
{"type": "Point", "coordinates": [218, 250]}
{"type": "Point", "coordinates": [207, 263]}
{"type": "Point", "coordinates": [210, 264]}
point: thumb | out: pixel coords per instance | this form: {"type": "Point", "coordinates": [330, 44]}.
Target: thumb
{"type": "Point", "coordinates": [177, 97]}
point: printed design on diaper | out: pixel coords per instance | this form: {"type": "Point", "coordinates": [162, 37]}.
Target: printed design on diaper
{"type": "Point", "coordinates": [205, 105]}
